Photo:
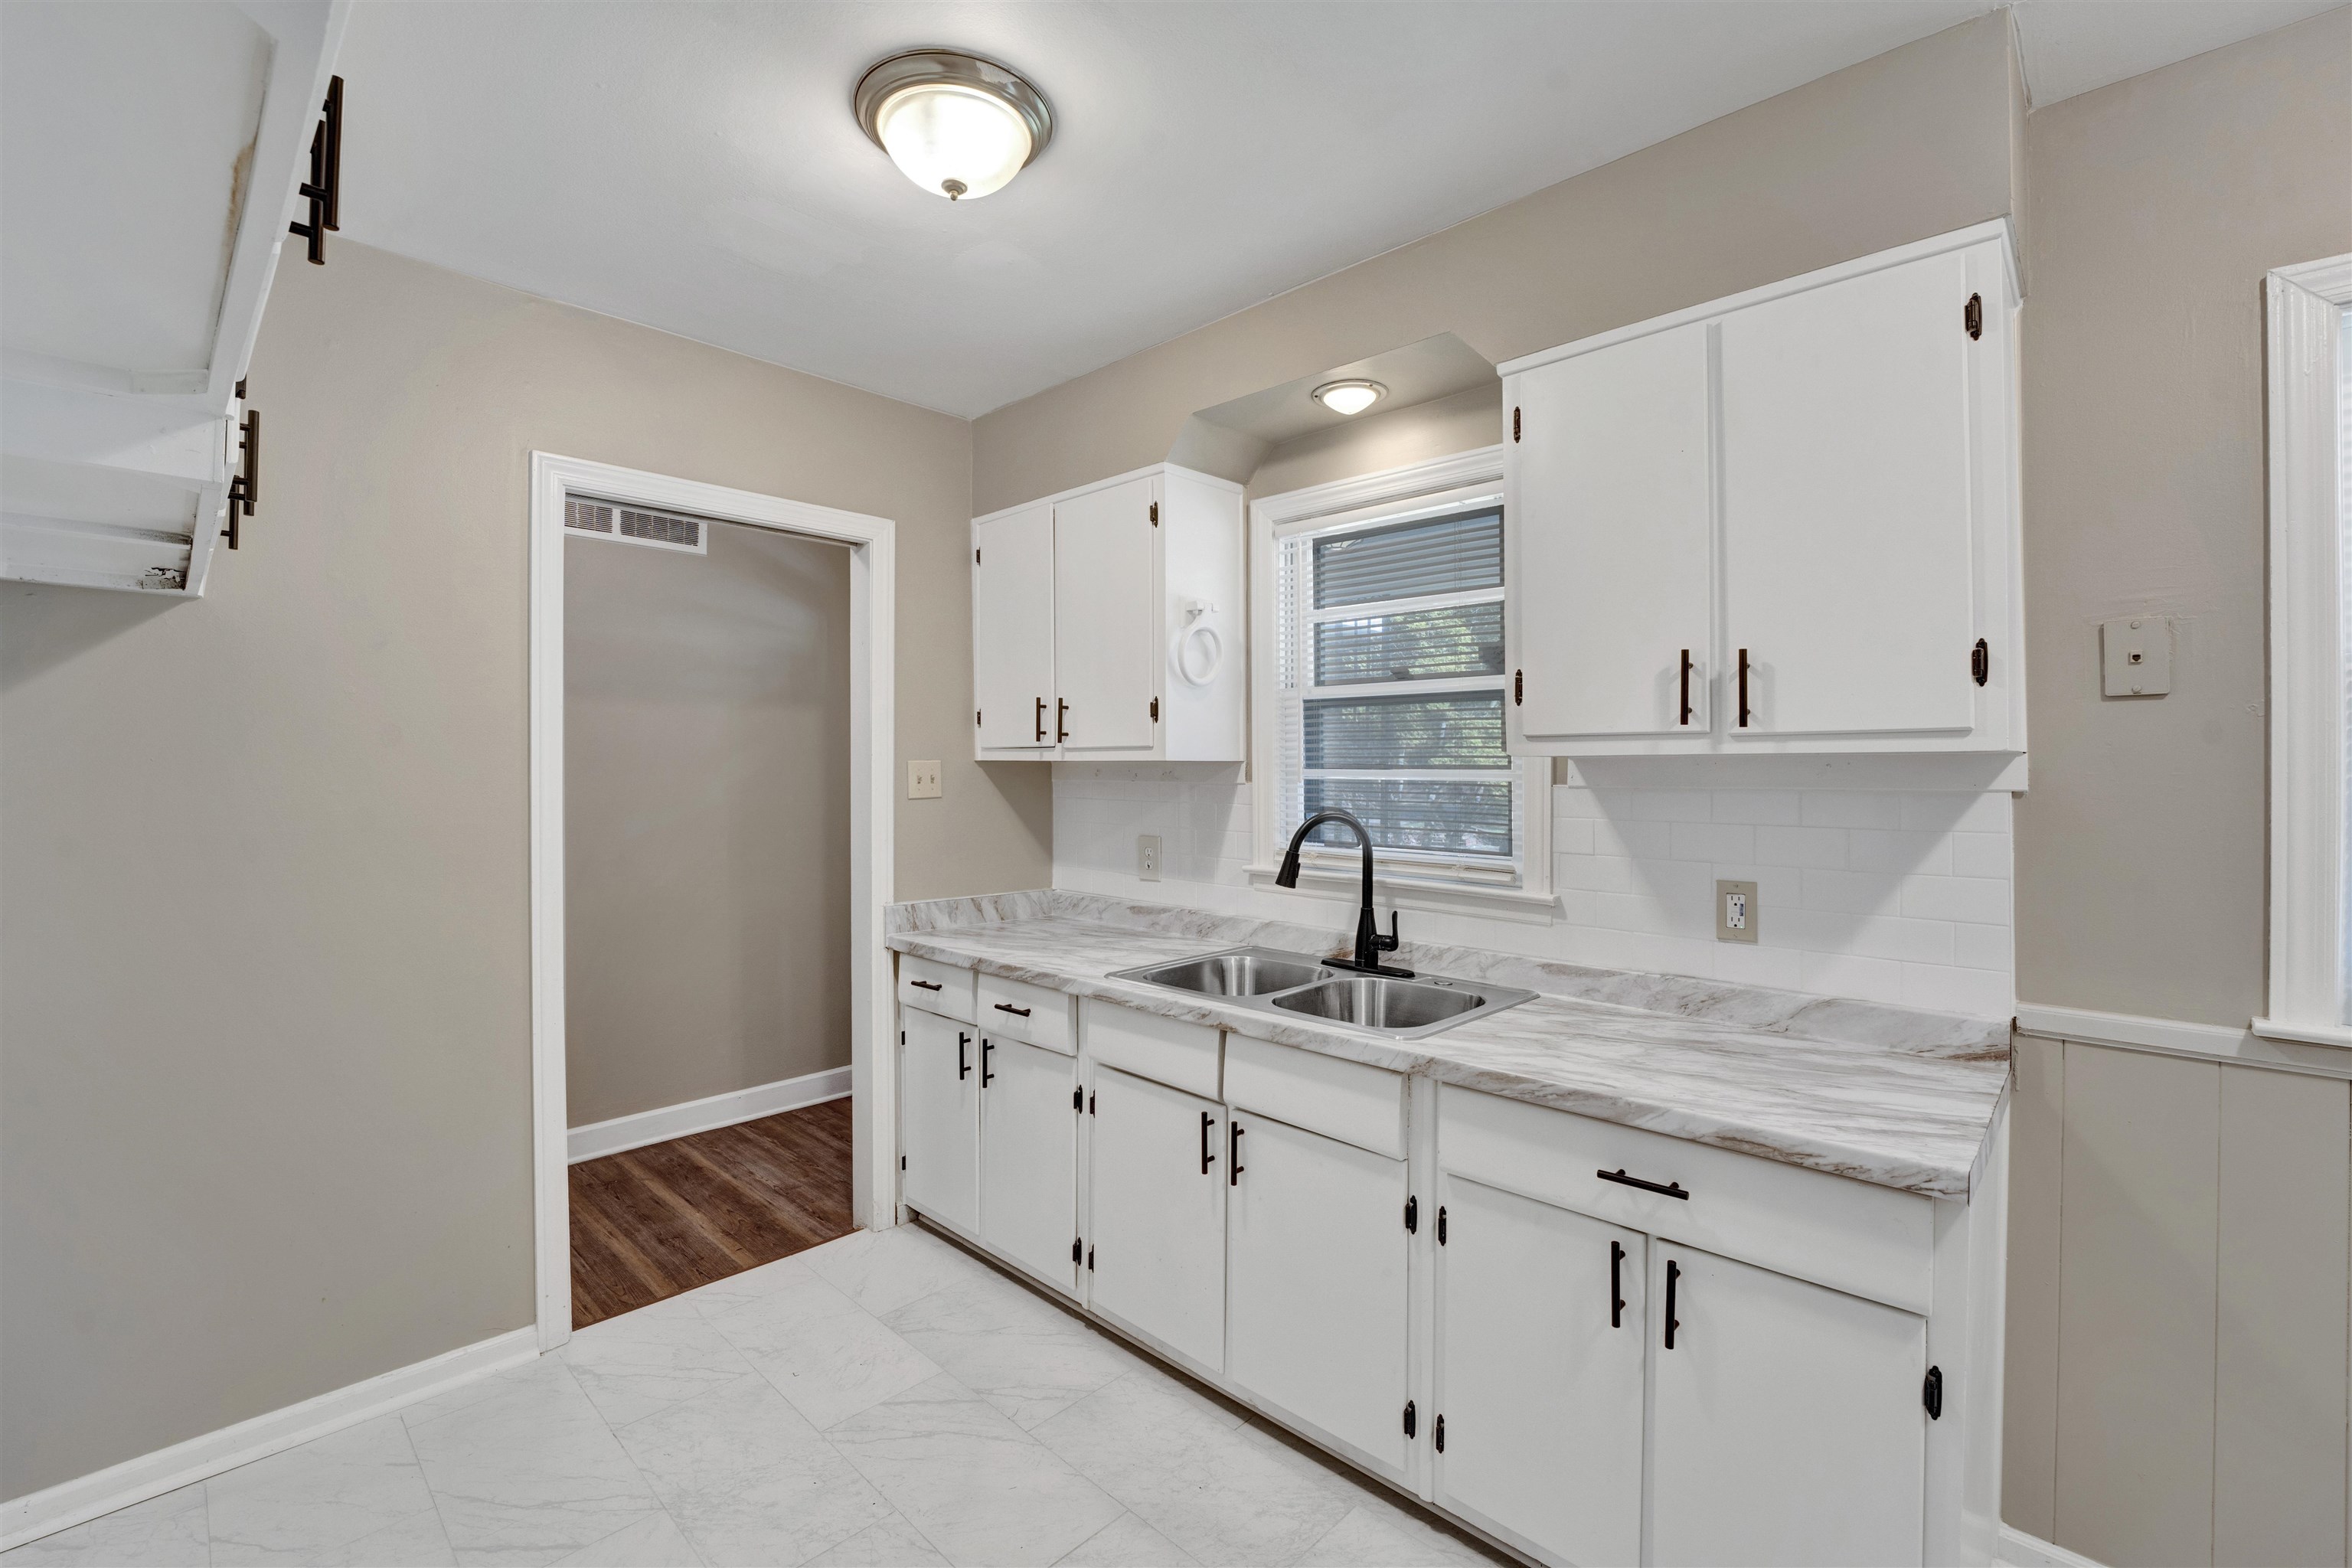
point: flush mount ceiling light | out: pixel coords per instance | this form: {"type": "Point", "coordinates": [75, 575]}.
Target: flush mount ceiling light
{"type": "Point", "coordinates": [1350, 396]}
{"type": "Point", "coordinates": [955, 124]}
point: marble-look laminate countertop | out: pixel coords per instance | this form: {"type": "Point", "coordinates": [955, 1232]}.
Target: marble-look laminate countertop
{"type": "Point", "coordinates": [1892, 1096]}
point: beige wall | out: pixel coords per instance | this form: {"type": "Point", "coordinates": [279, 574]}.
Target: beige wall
{"type": "Point", "coordinates": [265, 1004]}
{"type": "Point", "coordinates": [705, 815]}
{"type": "Point", "coordinates": [2178, 1264]}
{"type": "Point", "coordinates": [1369, 443]}
{"type": "Point", "coordinates": [1913, 143]}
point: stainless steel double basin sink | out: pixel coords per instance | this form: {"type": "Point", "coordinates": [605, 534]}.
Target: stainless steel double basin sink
{"type": "Point", "coordinates": [1270, 981]}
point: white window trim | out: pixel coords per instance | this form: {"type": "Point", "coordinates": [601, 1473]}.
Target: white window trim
{"type": "Point", "coordinates": [1442, 484]}
{"type": "Point", "coordinates": [2304, 310]}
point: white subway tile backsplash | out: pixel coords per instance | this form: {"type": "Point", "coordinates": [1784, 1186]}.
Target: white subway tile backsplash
{"type": "Point", "coordinates": [1890, 896]}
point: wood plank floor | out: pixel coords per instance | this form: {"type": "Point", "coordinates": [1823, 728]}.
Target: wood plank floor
{"type": "Point", "coordinates": [653, 1222]}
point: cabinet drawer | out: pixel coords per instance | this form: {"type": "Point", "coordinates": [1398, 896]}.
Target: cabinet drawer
{"type": "Point", "coordinates": [1166, 1050]}
{"type": "Point", "coordinates": [1851, 1236]}
{"type": "Point", "coordinates": [935, 987]}
{"type": "Point", "coordinates": [1037, 1013]}
{"type": "Point", "coordinates": [1340, 1099]}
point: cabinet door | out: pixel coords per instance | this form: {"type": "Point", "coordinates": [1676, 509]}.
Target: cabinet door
{"type": "Point", "coordinates": [1157, 1190]}
{"type": "Point", "coordinates": [1106, 620]}
{"type": "Point", "coordinates": [1315, 1283]}
{"type": "Point", "coordinates": [1786, 1424]}
{"type": "Point", "coordinates": [938, 1118]}
{"type": "Point", "coordinates": [1028, 1157]}
{"type": "Point", "coordinates": [1539, 1344]}
{"type": "Point", "coordinates": [1846, 531]}
{"type": "Point", "coordinates": [1612, 526]}
{"type": "Point", "coordinates": [1013, 628]}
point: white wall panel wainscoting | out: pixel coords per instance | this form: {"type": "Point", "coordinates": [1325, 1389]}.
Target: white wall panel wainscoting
{"type": "Point", "coordinates": [662, 1123]}
{"type": "Point", "coordinates": [62, 1507]}
{"type": "Point", "coordinates": [1889, 894]}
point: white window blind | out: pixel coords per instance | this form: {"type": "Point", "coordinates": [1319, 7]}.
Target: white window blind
{"type": "Point", "coordinates": [1389, 686]}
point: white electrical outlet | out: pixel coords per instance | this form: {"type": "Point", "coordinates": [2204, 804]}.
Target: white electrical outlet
{"type": "Point", "coordinates": [1735, 912]}
{"type": "Point", "coordinates": [922, 781]}
{"type": "Point", "coordinates": [1147, 856]}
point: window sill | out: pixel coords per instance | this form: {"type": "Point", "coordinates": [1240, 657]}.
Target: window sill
{"type": "Point", "coordinates": [1416, 893]}
{"type": "Point", "coordinates": [2304, 1034]}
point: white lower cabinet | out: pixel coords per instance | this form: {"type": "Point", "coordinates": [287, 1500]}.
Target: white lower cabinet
{"type": "Point", "coordinates": [1029, 1157]}
{"type": "Point", "coordinates": [1315, 1284]}
{"type": "Point", "coordinates": [938, 1118]}
{"type": "Point", "coordinates": [1786, 1424]}
{"type": "Point", "coordinates": [1156, 1230]}
{"type": "Point", "coordinates": [1540, 1314]}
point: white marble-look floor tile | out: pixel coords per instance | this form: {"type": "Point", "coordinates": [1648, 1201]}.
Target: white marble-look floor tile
{"type": "Point", "coordinates": [1128, 1543]}
{"type": "Point", "coordinates": [530, 1472]}
{"type": "Point", "coordinates": [1021, 1354]}
{"type": "Point", "coordinates": [748, 1478]}
{"type": "Point", "coordinates": [653, 1542]}
{"type": "Point", "coordinates": [892, 1543]}
{"type": "Point", "coordinates": [1205, 1486]}
{"type": "Point", "coordinates": [416, 1542]}
{"type": "Point", "coordinates": [166, 1532]}
{"type": "Point", "coordinates": [646, 1361]}
{"type": "Point", "coordinates": [307, 1504]}
{"type": "Point", "coordinates": [824, 1352]}
{"type": "Point", "coordinates": [979, 1489]}
{"type": "Point", "coordinates": [884, 1270]}
{"type": "Point", "coordinates": [776, 1276]}
{"type": "Point", "coordinates": [1372, 1537]}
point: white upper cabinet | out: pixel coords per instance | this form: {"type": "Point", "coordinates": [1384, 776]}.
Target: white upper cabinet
{"type": "Point", "coordinates": [152, 157]}
{"type": "Point", "coordinates": [1611, 518]}
{"type": "Point", "coordinates": [1785, 522]}
{"type": "Point", "coordinates": [1012, 630]}
{"type": "Point", "coordinates": [1106, 623]}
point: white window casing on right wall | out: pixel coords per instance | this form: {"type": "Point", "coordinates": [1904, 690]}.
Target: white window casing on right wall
{"type": "Point", "coordinates": [2311, 666]}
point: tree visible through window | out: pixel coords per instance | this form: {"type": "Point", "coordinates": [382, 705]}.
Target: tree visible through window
{"type": "Point", "coordinates": [1392, 686]}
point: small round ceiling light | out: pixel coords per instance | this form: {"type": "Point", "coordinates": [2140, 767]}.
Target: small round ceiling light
{"type": "Point", "coordinates": [1350, 396]}
{"type": "Point", "coordinates": [955, 124]}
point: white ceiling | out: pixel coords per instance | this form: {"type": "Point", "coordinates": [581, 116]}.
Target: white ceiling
{"type": "Point", "coordinates": [695, 167]}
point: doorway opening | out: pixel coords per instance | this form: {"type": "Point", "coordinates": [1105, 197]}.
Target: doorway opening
{"type": "Point", "coordinates": [710, 853]}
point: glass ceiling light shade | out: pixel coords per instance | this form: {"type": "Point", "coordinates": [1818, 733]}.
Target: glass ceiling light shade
{"type": "Point", "coordinates": [955, 124]}
{"type": "Point", "coordinates": [1350, 396]}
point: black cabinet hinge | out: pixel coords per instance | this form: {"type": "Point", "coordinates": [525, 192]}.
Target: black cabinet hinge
{"type": "Point", "coordinates": [902, 1162]}
{"type": "Point", "coordinates": [1090, 1260]}
{"type": "Point", "coordinates": [975, 717]}
{"type": "Point", "coordinates": [1972, 316]}
{"type": "Point", "coordinates": [1078, 1249]}
{"type": "Point", "coordinates": [1931, 1394]}
{"type": "Point", "coordinates": [1077, 1099]}
{"type": "Point", "coordinates": [323, 189]}
{"type": "Point", "coordinates": [1412, 1215]}
{"type": "Point", "coordinates": [1409, 1422]}
{"type": "Point", "coordinates": [1441, 1225]}
{"type": "Point", "coordinates": [1090, 1104]}
{"type": "Point", "coordinates": [1155, 514]}
{"type": "Point", "coordinates": [1518, 686]}
{"type": "Point", "coordinates": [1437, 1434]}
{"type": "Point", "coordinates": [1155, 710]}
{"type": "Point", "coordinates": [902, 1036]}
{"type": "Point", "coordinates": [1514, 424]}
{"type": "Point", "coordinates": [1981, 662]}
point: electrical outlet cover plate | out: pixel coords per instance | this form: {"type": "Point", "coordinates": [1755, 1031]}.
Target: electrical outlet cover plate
{"type": "Point", "coordinates": [2136, 657]}
{"type": "Point", "coordinates": [1147, 856]}
{"type": "Point", "coordinates": [1735, 912]}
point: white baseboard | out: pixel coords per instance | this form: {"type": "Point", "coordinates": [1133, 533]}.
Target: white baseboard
{"type": "Point", "coordinates": [2019, 1549]}
{"type": "Point", "coordinates": [622, 1133]}
{"type": "Point", "coordinates": [68, 1503]}
{"type": "Point", "coordinates": [2171, 1036]}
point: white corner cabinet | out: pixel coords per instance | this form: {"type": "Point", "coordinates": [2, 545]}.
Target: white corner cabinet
{"type": "Point", "coordinates": [158, 155]}
{"type": "Point", "coordinates": [1444, 1289]}
{"type": "Point", "coordinates": [1107, 623]}
{"type": "Point", "coordinates": [1784, 522]}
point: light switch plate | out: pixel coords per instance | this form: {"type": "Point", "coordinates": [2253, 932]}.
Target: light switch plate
{"type": "Point", "coordinates": [922, 781]}
{"type": "Point", "coordinates": [1735, 912]}
{"type": "Point", "coordinates": [1147, 856]}
{"type": "Point", "coordinates": [2136, 657]}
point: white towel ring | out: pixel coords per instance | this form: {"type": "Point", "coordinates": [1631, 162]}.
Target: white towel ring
{"type": "Point", "coordinates": [1215, 650]}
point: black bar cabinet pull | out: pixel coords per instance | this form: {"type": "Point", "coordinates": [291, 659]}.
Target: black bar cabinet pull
{"type": "Point", "coordinates": [323, 189]}
{"type": "Point", "coordinates": [986, 1076]}
{"type": "Point", "coordinates": [1061, 720]}
{"type": "Point", "coordinates": [1743, 689]}
{"type": "Point", "coordinates": [1674, 1278]}
{"type": "Point", "coordinates": [1208, 1120]}
{"type": "Point", "coordinates": [1041, 718]}
{"type": "Point", "coordinates": [1672, 1189]}
{"type": "Point", "coordinates": [1009, 1008]}
{"type": "Point", "coordinates": [924, 984]}
{"type": "Point", "coordinates": [1616, 1286]}
{"type": "Point", "coordinates": [244, 485]}
{"type": "Point", "coordinates": [1686, 674]}
{"type": "Point", "coordinates": [964, 1068]}
{"type": "Point", "coordinates": [1233, 1154]}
